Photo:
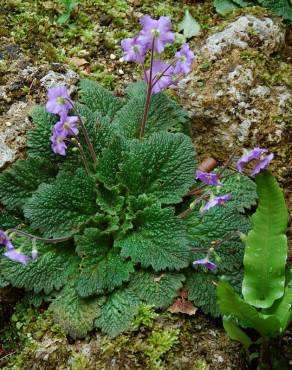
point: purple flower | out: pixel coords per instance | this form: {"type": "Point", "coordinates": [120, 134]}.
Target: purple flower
{"type": "Point", "coordinates": [209, 178]}
{"type": "Point", "coordinates": [133, 50]}
{"type": "Point", "coordinates": [216, 201]}
{"type": "Point", "coordinates": [184, 59]}
{"type": "Point", "coordinates": [258, 155]}
{"type": "Point", "coordinates": [262, 164]}
{"type": "Point", "coordinates": [67, 126]}
{"type": "Point", "coordinates": [163, 80]}
{"type": "Point", "coordinates": [205, 262]}
{"type": "Point", "coordinates": [58, 144]}
{"type": "Point", "coordinates": [15, 255]}
{"type": "Point", "coordinates": [34, 254]}
{"type": "Point", "coordinates": [157, 29]}
{"type": "Point", "coordinates": [58, 100]}
{"type": "Point", "coordinates": [4, 240]}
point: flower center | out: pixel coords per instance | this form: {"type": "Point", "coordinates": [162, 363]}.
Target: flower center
{"type": "Point", "coordinates": [66, 125]}
{"type": "Point", "coordinates": [59, 139]}
{"type": "Point", "coordinates": [183, 58]}
{"type": "Point", "coordinates": [135, 49]}
{"type": "Point", "coordinates": [60, 100]}
{"type": "Point", "coordinates": [155, 32]}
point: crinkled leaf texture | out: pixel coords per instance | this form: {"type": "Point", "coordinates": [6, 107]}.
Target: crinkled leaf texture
{"type": "Point", "coordinates": [160, 240]}
{"type": "Point", "coordinates": [102, 269]}
{"type": "Point", "coordinates": [74, 314]}
{"type": "Point", "coordinates": [266, 246]}
{"type": "Point", "coordinates": [216, 225]}
{"type": "Point", "coordinates": [59, 208]}
{"type": "Point", "coordinates": [164, 113]}
{"type": "Point", "coordinates": [50, 271]}
{"type": "Point", "coordinates": [8, 220]}
{"type": "Point", "coordinates": [156, 290]}
{"type": "Point", "coordinates": [162, 165]}
{"type": "Point", "coordinates": [18, 183]}
{"type": "Point", "coordinates": [118, 312]}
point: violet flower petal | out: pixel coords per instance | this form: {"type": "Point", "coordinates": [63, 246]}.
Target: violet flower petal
{"type": "Point", "coordinates": [209, 178]}
{"type": "Point", "coordinates": [205, 262]}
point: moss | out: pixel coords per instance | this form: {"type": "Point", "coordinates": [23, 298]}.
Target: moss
{"type": "Point", "coordinates": [158, 344]}
{"type": "Point", "coordinates": [80, 362]}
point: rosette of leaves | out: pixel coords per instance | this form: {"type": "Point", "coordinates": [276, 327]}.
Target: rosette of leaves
{"type": "Point", "coordinates": [112, 238]}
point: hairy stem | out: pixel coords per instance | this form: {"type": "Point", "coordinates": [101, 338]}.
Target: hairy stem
{"type": "Point", "coordinates": [34, 237]}
{"type": "Point", "coordinates": [82, 154]}
{"type": "Point", "coordinates": [85, 134]}
{"type": "Point", "coordinates": [148, 96]}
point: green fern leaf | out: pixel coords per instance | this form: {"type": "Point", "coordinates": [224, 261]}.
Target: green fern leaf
{"type": "Point", "coordinates": [98, 99]}
{"type": "Point", "coordinates": [38, 139]}
{"type": "Point", "coordinates": [50, 271]}
{"type": "Point", "coordinates": [18, 183]}
{"type": "Point", "coordinates": [164, 113]}
{"type": "Point", "coordinates": [162, 165]}
{"type": "Point", "coordinates": [101, 268]}
{"type": "Point", "coordinates": [58, 209]}
{"type": "Point", "coordinates": [118, 312]}
{"type": "Point", "coordinates": [157, 290]}
{"type": "Point", "coordinates": [74, 314]}
{"type": "Point", "coordinates": [266, 246]}
{"type": "Point", "coordinates": [159, 240]}
{"type": "Point", "coordinates": [231, 305]}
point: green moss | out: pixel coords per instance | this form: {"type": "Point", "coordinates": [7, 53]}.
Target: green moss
{"type": "Point", "coordinates": [80, 362]}
{"type": "Point", "coordinates": [159, 343]}
{"type": "Point", "coordinates": [145, 317]}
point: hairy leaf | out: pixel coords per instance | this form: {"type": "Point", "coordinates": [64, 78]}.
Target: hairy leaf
{"type": "Point", "coordinates": [164, 113]}
{"type": "Point", "coordinates": [98, 99]}
{"type": "Point", "coordinates": [266, 246]}
{"type": "Point", "coordinates": [189, 25]}
{"type": "Point", "coordinates": [38, 139]}
{"type": "Point", "coordinates": [18, 183]}
{"type": "Point", "coordinates": [58, 209]}
{"type": "Point", "coordinates": [242, 189]}
{"type": "Point", "coordinates": [280, 7]}
{"type": "Point", "coordinates": [218, 225]}
{"type": "Point", "coordinates": [118, 312]}
{"type": "Point", "coordinates": [159, 241]}
{"type": "Point", "coordinates": [74, 314]}
{"type": "Point", "coordinates": [101, 268]}
{"type": "Point", "coordinates": [157, 290]}
{"type": "Point", "coordinates": [8, 220]}
{"type": "Point", "coordinates": [231, 305]}
{"type": "Point", "coordinates": [50, 271]}
{"type": "Point", "coordinates": [3, 282]}
{"type": "Point", "coordinates": [162, 165]}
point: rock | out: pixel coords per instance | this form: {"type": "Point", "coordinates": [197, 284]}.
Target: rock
{"type": "Point", "coordinates": [13, 127]}
{"type": "Point", "coordinates": [243, 33]}
{"type": "Point", "coordinates": [233, 95]}
{"type": "Point", "coordinates": [52, 78]}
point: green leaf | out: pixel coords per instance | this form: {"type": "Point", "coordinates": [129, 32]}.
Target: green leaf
{"type": "Point", "coordinates": [242, 189]}
{"type": "Point", "coordinates": [38, 139]}
{"type": "Point", "coordinates": [236, 333]}
{"type": "Point", "coordinates": [202, 291]}
{"type": "Point", "coordinates": [157, 290]}
{"type": "Point", "coordinates": [58, 209]}
{"type": "Point", "coordinates": [218, 224]}
{"type": "Point", "coordinates": [3, 282]}
{"type": "Point", "coordinates": [63, 18]}
{"type": "Point", "coordinates": [50, 271]}
{"type": "Point", "coordinates": [98, 99]}
{"type": "Point", "coordinates": [189, 25]}
{"type": "Point", "coordinates": [159, 240]}
{"type": "Point", "coordinates": [231, 305]}
{"type": "Point", "coordinates": [224, 7]}
{"type": "Point", "coordinates": [18, 183]}
{"type": "Point", "coordinates": [164, 113]}
{"type": "Point", "coordinates": [282, 309]}
{"type": "Point", "coordinates": [280, 7]}
{"type": "Point", "coordinates": [118, 312]}
{"type": "Point", "coordinates": [74, 314]}
{"type": "Point", "coordinates": [101, 268]}
{"type": "Point", "coordinates": [162, 165]}
{"type": "Point", "coordinates": [8, 221]}
{"type": "Point", "coordinates": [266, 246]}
